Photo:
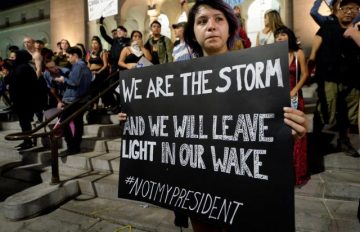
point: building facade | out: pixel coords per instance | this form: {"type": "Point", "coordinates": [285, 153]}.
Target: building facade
{"type": "Point", "coordinates": [53, 20]}
{"type": "Point", "coordinates": [25, 20]}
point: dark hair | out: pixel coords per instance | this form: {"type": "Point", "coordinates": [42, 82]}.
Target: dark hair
{"type": "Point", "coordinates": [97, 39]}
{"type": "Point", "coordinates": [82, 47]}
{"type": "Point", "coordinates": [8, 64]}
{"type": "Point", "coordinates": [74, 50]}
{"type": "Point", "coordinates": [47, 54]}
{"type": "Point", "coordinates": [189, 34]}
{"type": "Point", "coordinates": [292, 41]}
{"type": "Point", "coordinates": [39, 41]}
{"type": "Point", "coordinates": [155, 22]}
{"type": "Point", "coordinates": [13, 48]}
{"type": "Point", "coordinates": [135, 31]}
{"type": "Point", "coordinates": [122, 28]}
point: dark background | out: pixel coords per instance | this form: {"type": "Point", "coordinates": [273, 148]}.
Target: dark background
{"type": "Point", "coordinates": [5, 4]}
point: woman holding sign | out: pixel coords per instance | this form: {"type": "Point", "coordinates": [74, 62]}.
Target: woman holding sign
{"type": "Point", "coordinates": [211, 31]}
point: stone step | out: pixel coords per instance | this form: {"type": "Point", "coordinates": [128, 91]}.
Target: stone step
{"type": "Point", "coordinates": [36, 199]}
{"type": "Point", "coordinates": [100, 184]}
{"type": "Point", "coordinates": [140, 216]}
{"type": "Point", "coordinates": [109, 162]}
{"type": "Point", "coordinates": [107, 187]}
{"type": "Point", "coordinates": [103, 131]}
{"type": "Point", "coordinates": [9, 153]}
{"type": "Point", "coordinates": [332, 184]}
{"type": "Point", "coordinates": [87, 183]}
{"type": "Point", "coordinates": [65, 174]}
{"type": "Point", "coordinates": [114, 145]}
{"type": "Point", "coordinates": [6, 165]}
{"type": "Point", "coordinates": [340, 161]}
{"type": "Point", "coordinates": [5, 126]}
{"type": "Point", "coordinates": [27, 173]}
{"type": "Point", "coordinates": [323, 215]}
{"type": "Point", "coordinates": [90, 143]}
{"type": "Point", "coordinates": [81, 160]}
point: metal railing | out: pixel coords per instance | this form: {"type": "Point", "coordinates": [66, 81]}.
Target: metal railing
{"type": "Point", "coordinates": [55, 133]}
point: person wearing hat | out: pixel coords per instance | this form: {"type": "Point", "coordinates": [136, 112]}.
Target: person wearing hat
{"type": "Point", "coordinates": [181, 51]}
{"type": "Point", "coordinates": [159, 45]}
{"type": "Point", "coordinates": [117, 43]}
{"type": "Point", "coordinates": [337, 66]}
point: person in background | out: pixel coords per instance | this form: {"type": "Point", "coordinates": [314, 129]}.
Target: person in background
{"type": "Point", "coordinates": [77, 86]}
{"type": "Point", "coordinates": [39, 44]}
{"type": "Point", "coordinates": [117, 44]}
{"type": "Point", "coordinates": [83, 51]}
{"type": "Point", "coordinates": [131, 55]}
{"type": "Point", "coordinates": [58, 49]}
{"type": "Point", "coordinates": [337, 65]}
{"type": "Point", "coordinates": [181, 51]}
{"type": "Point", "coordinates": [298, 75]}
{"type": "Point", "coordinates": [159, 45]}
{"type": "Point", "coordinates": [272, 21]}
{"type": "Point", "coordinates": [23, 88]}
{"type": "Point", "coordinates": [99, 66]}
{"type": "Point", "coordinates": [114, 33]}
{"type": "Point", "coordinates": [354, 33]}
{"type": "Point", "coordinates": [241, 20]}
{"type": "Point", "coordinates": [6, 70]}
{"type": "Point", "coordinates": [29, 45]}
{"type": "Point", "coordinates": [60, 56]}
{"type": "Point", "coordinates": [37, 64]}
{"type": "Point", "coordinates": [56, 90]}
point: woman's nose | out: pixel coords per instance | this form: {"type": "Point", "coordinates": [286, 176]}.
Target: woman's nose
{"type": "Point", "coordinates": [211, 24]}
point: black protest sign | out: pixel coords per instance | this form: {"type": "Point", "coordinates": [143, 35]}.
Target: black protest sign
{"type": "Point", "coordinates": [206, 137]}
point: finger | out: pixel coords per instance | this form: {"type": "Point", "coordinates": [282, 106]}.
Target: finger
{"type": "Point", "coordinates": [297, 120]}
{"type": "Point", "coordinates": [298, 130]}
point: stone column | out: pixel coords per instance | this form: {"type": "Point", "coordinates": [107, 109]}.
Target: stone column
{"type": "Point", "coordinates": [68, 21]}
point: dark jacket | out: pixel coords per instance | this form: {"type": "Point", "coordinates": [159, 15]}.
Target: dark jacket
{"type": "Point", "coordinates": [23, 84]}
{"type": "Point", "coordinates": [338, 58]}
{"type": "Point", "coordinates": [117, 46]}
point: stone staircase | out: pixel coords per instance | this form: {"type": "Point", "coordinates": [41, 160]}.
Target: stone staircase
{"type": "Point", "coordinates": [328, 202]}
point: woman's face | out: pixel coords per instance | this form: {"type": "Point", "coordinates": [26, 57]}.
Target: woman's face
{"type": "Point", "coordinates": [12, 56]}
{"type": "Point", "coordinates": [136, 37]}
{"type": "Point", "coordinates": [266, 20]}
{"type": "Point", "coordinates": [95, 45]}
{"type": "Point", "coordinates": [211, 30]}
{"type": "Point", "coordinates": [281, 37]}
{"type": "Point", "coordinates": [64, 44]}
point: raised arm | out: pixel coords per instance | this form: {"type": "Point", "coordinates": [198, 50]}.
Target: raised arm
{"type": "Point", "coordinates": [106, 37]}
{"type": "Point", "coordinates": [303, 70]}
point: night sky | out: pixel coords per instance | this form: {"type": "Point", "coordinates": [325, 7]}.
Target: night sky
{"type": "Point", "coordinates": [5, 4]}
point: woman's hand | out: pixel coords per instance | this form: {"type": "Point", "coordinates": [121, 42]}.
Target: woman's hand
{"type": "Point", "coordinates": [297, 120]}
{"type": "Point", "coordinates": [122, 117]}
{"type": "Point", "coordinates": [131, 65]}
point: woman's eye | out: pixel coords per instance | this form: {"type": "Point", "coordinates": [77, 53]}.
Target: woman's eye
{"type": "Point", "coordinates": [202, 21]}
{"type": "Point", "coordinates": [219, 19]}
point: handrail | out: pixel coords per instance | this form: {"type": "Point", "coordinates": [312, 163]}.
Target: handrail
{"type": "Point", "coordinates": [30, 134]}
{"type": "Point", "coordinates": [53, 132]}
